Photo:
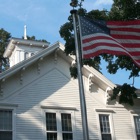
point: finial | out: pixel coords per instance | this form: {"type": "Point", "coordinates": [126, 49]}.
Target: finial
{"type": "Point", "coordinates": [75, 3]}
{"type": "Point", "coordinates": [25, 35]}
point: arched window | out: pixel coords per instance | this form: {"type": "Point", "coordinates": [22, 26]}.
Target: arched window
{"type": "Point", "coordinates": [26, 55]}
{"type": "Point", "coordinates": [32, 54]}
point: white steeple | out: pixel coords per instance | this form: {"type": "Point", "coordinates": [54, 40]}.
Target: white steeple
{"type": "Point", "coordinates": [25, 35]}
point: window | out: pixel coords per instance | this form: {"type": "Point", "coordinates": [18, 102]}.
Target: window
{"type": "Point", "coordinates": [26, 55]}
{"type": "Point", "coordinates": [137, 126]}
{"type": "Point", "coordinates": [66, 126]}
{"type": "Point", "coordinates": [51, 126]}
{"type": "Point", "coordinates": [32, 54]}
{"type": "Point", "coordinates": [6, 125]}
{"type": "Point", "coordinates": [105, 127]}
{"type": "Point", "coordinates": [59, 126]}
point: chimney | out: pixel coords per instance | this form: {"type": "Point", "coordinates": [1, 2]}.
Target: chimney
{"type": "Point", "coordinates": [25, 35]}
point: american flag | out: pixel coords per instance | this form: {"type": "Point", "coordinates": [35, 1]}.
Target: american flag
{"type": "Point", "coordinates": [113, 37]}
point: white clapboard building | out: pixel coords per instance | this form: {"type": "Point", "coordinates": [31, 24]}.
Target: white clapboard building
{"type": "Point", "coordinates": [40, 101]}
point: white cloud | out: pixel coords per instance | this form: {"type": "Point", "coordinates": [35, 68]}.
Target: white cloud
{"type": "Point", "coordinates": [97, 4]}
{"type": "Point", "coordinates": [104, 2]}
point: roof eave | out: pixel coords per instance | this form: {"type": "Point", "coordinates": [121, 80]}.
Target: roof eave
{"type": "Point", "coordinates": [18, 41]}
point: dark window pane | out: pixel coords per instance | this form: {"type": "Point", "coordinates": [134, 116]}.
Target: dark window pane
{"type": "Point", "coordinates": [5, 120]}
{"type": "Point", "coordinates": [137, 124]}
{"type": "Point", "coordinates": [104, 124]}
{"type": "Point", "coordinates": [5, 135]}
{"type": "Point", "coordinates": [67, 136]}
{"type": "Point", "coordinates": [138, 137]}
{"type": "Point", "coordinates": [5, 125]}
{"type": "Point", "coordinates": [26, 55]}
{"type": "Point", "coordinates": [106, 136]}
{"type": "Point", "coordinates": [32, 54]}
{"type": "Point", "coordinates": [51, 136]}
{"type": "Point", "coordinates": [51, 122]}
{"type": "Point", "coordinates": [66, 122]}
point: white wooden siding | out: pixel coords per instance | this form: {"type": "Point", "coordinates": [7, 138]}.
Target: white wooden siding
{"type": "Point", "coordinates": [123, 126]}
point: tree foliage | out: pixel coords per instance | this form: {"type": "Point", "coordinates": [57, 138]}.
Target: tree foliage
{"type": "Point", "coordinates": [34, 38]}
{"type": "Point", "coordinates": [4, 39]}
{"type": "Point", "coordinates": [126, 94]}
{"type": "Point", "coordinates": [125, 10]}
{"type": "Point", "coordinates": [120, 10]}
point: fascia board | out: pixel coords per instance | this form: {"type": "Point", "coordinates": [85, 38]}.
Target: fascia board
{"type": "Point", "coordinates": [9, 49]}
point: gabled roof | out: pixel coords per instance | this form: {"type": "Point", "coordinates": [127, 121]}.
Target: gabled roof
{"type": "Point", "coordinates": [19, 41]}
{"type": "Point", "coordinates": [98, 78]}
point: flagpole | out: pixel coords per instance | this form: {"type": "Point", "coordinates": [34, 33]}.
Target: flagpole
{"type": "Point", "coordinates": [80, 80]}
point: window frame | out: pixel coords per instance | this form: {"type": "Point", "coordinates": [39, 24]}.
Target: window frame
{"type": "Point", "coordinates": [59, 123]}
{"type": "Point", "coordinates": [110, 116]}
{"type": "Point", "coordinates": [13, 110]}
{"type": "Point", "coordinates": [133, 124]}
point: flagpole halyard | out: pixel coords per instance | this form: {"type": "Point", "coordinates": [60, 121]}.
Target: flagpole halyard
{"type": "Point", "coordinates": [80, 80]}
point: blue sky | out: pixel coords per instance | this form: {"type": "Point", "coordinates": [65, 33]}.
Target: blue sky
{"type": "Point", "coordinates": [44, 19]}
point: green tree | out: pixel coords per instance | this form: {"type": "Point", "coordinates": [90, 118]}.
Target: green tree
{"type": "Point", "coordinates": [121, 10]}
{"type": "Point", "coordinates": [4, 39]}
{"type": "Point", "coordinates": [125, 10]}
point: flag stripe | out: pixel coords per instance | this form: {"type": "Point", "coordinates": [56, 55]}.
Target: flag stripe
{"type": "Point", "coordinates": [96, 36]}
{"type": "Point", "coordinates": [94, 43]}
{"type": "Point", "coordinates": [126, 29]}
{"type": "Point", "coordinates": [124, 26]}
{"type": "Point", "coordinates": [117, 36]}
{"type": "Point", "coordinates": [124, 33]}
{"type": "Point", "coordinates": [128, 41]}
{"type": "Point", "coordinates": [133, 46]}
{"type": "Point", "coordinates": [124, 23]}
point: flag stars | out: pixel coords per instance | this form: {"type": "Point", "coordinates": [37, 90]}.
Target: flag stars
{"type": "Point", "coordinates": [90, 27]}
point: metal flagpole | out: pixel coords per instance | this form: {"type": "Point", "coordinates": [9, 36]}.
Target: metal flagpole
{"type": "Point", "coordinates": [80, 80]}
